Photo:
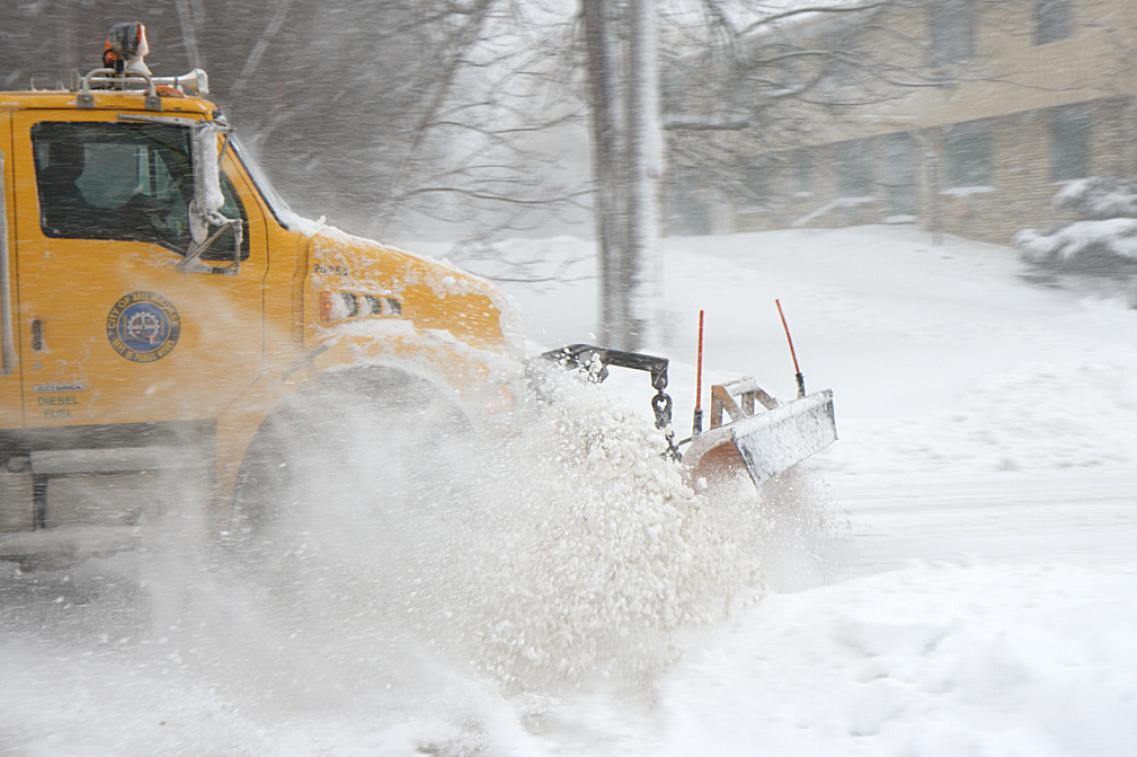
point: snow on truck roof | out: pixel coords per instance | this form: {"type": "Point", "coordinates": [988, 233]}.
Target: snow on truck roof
{"type": "Point", "coordinates": [131, 86]}
{"type": "Point", "coordinates": [102, 100]}
{"type": "Point", "coordinates": [107, 100]}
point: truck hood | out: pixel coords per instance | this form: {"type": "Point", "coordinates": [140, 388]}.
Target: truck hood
{"type": "Point", "coordinates": [431, 295]}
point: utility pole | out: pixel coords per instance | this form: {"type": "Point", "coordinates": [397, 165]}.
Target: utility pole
{"type": "Point", "coordinates": [602, 88]}
{"type": "Point", "coordinates": [627, 163]}
{"type": "Point", "coordinates": [641, 169]}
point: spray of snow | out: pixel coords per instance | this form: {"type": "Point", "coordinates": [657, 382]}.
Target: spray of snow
{"type": "Point", "coordinates": [424, 586]}
{"type": "Point", "coordinates": [567, 553]}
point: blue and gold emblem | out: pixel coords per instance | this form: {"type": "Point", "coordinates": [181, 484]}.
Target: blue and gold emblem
{"type": "Point", "coordinates": [143, 327]}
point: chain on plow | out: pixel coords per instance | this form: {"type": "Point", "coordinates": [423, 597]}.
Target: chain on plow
{"type": "Point", "coordinates": [595, 361]}
{"type": "Point", "coordinates": [750, 430]}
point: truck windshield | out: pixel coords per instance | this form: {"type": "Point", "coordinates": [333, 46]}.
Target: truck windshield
{"type": "Point", "coordinates": [276, 203]}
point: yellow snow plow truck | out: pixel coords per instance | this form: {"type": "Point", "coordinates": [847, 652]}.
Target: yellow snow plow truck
{"type": "Point", "coordinates": [161, 310]}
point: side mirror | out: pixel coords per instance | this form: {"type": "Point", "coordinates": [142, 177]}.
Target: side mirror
{"type": "Point", "coordinates": [207, 197]}
{"type": "Point", "coordinates": [206, 221]}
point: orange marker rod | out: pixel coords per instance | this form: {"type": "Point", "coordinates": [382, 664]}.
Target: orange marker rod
{"type": "Point", "coordinates": [793, 354]}
{"type": "Point", "coordinates": [697, 421]}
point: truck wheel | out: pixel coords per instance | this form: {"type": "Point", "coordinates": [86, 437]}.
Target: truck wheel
{"type": "Point", "coordinates": [343, 440]}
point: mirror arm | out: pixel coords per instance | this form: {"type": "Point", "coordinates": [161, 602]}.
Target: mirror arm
{"type": "Point", "coordinates": [238, 242]}
{"type": "Point", "coordinates": [196, 250]}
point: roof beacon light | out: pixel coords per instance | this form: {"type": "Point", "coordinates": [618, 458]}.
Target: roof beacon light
{"type": "Point", "coordinates": [126, 48]}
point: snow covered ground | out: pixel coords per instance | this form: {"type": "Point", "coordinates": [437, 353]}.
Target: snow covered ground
{"type": "Point", "coordinates": [959, 576]}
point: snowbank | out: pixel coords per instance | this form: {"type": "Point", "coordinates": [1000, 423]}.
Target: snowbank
{"type": "Point", "coordinates": [931, 661]}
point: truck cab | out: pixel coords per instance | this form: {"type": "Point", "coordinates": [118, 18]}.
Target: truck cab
{"type": "Point", "coordinates": [159, 301]}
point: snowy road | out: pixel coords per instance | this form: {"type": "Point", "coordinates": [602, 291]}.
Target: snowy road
{"type": "Point", "coordinates": [991, 616]}
{"type": "Point", "coordinates": [1073, 517]}
{"type": "Point", "coordinates": [972, 594]}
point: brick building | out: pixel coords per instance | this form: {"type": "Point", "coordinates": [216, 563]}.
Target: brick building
{"type": "Point", "coordinates": [1015, 98]}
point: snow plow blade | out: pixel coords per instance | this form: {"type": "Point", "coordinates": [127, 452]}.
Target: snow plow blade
{"type": "Point", "coordinates": [762, 436]}
{"type": "Point", "coordinates": [766, 443]}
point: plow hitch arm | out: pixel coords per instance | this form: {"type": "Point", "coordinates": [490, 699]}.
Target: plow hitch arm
{"type": "Point", "coordinates": [750, 430]}
{"type": "Point", "coordinates": [595, 361]}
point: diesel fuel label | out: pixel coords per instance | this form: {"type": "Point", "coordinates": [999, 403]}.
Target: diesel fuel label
{"type": "Point", "coordinates": [58, 407]}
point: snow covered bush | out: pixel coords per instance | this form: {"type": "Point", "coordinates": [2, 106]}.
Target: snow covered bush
{"type": "Point", "coordinates": [1102, 240]}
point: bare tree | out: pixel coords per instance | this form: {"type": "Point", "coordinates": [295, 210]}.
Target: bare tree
{"type": "Point", "coordinates": [408, 117]}
{"type": "Point", "coordinates": [397, 118]}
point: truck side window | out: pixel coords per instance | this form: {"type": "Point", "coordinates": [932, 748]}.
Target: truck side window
{"type": "Point", "coordinates": [122, 181]}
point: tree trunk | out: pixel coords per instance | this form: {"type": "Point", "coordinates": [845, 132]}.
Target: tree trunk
{"type": "Point", "coordinates": [602, 88]}
{"type": "Point", "coordinates": [642, 169]}
{"type": "Point", "coordinates": [626, 149]}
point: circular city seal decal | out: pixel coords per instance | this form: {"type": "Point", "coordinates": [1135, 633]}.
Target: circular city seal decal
{"type": "Point", "coordinates": [143, 327]}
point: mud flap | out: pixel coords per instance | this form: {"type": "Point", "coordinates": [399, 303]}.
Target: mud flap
{"type": "Point", "coordinates": [766, 443]}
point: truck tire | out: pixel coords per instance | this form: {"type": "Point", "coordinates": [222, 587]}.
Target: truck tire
{"type": "Point", "coordinates": [323, 436]}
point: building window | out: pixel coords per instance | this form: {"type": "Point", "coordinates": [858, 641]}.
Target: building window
{"type": "Point", "coordinates": [689, 212]}
{"type": "Point", "coordinates": [840, 72]}
{"type": "Point", "coordinates": [795, 69]}
{"type": "Point", "coordinates": [756, 182]}
{"type": "Point", "coordinates": [855, 161]}
{"type": "Point", "coordinates": [899, 169]}
{"type": "Point", "coordinates": [967, 149]}
{"type": "Point", "coordinates": [672, 92]}
{"type": "Point", "coordinates": [1069, 143]}
{"type": "Point", "coordinates": [802, 173]}
{"type": "Point", "coordinates": [951, 32]}
{"type": "Point", "coordinates": [1053, 20]}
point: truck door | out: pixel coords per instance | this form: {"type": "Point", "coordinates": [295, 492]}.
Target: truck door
{"type": "Point", "coordinates": [111, 331]}
{"type": "Point", "coordinates": [10, 403]}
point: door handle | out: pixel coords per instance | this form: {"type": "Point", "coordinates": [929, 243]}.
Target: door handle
{"type": "Point", "coordinates": [37, 335]}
